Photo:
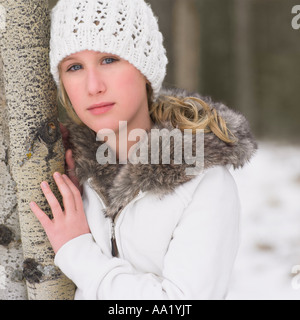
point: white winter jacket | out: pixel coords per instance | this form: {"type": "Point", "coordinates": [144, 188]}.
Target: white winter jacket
{"type": "Point", "coordinates": [155, 232]}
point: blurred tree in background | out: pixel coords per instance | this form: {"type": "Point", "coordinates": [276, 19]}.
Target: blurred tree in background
{"type": "Point", "coordinates": [244, 53]}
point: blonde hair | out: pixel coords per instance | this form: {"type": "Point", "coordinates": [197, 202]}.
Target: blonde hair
{"type": "Point", "coordinates": [184, 113]}
{"type": "Point", "coordinates": [190, 113]}
{"type": "Point", "coordinates": [65, 102]}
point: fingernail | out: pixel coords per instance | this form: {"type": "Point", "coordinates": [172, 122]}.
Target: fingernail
{"type": "Point", "coordinates": [57, 175]}
{"type": "Point", "coordinates": [44, 184]}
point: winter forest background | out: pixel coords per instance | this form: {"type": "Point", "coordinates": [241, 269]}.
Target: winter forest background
{"type": "Point", "coordinates": [246, 54]}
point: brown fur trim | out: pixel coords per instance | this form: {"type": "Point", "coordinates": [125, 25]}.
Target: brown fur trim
{"type": "Point", "coordinates": [119, 184]}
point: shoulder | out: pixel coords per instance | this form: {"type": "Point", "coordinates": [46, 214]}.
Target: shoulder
{"type": "Point", "coordinates": [217, 178]}
{"type": "Point", "coordinates": [215, 187]}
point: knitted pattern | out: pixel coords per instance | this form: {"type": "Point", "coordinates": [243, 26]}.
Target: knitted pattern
{"type": "Point", "coordinates": [126, 28]}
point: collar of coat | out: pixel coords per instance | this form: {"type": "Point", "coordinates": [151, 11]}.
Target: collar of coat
{"type": "Point", "coordinates": [118, 184]}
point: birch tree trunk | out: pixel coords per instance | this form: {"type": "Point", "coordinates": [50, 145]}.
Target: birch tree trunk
{"type": "Point", "coordinates": [12, 286]}
{"type": "Point", "coordinates": [36, 149]}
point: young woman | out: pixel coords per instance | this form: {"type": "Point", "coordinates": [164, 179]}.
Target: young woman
{"type": "Point", "coordinates": [139, 230]}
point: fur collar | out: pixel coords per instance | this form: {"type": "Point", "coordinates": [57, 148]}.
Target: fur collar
{"type": "Point", "coordinates": [119, 184]}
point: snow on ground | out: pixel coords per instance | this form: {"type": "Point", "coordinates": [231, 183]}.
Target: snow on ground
{"type": "Point", "coordinates": [269, 189]}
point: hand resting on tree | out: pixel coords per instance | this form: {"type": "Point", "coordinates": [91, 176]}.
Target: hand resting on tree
{"type": "Point", "coordinates": [65, 225]}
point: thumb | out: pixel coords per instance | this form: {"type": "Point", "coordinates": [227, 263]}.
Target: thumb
{"type": "Point", "coordinates": [69, 160]}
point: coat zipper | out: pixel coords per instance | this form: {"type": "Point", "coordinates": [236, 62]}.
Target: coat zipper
{"type": "Point", "coordinates": [114, 247]}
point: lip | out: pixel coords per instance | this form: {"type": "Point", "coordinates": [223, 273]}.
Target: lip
{"type": "Point", "coordinates": [101, 108]}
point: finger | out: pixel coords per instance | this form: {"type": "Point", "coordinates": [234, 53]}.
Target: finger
{"type": "Point", "coordinates": [76, 193]}
{"type": "Point", "coordinates": [70, 161]}
{"type": "Point", "coordinates": [40, 214]}
{"type": "Point", "coordinates": [53, 202]}
{"type": "Point", "coordinates": [66, 192]}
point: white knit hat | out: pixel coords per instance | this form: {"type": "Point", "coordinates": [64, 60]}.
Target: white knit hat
{"type": "Point", "coordinates": [126, 28]}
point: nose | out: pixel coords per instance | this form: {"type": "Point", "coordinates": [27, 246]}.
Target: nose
{"type": "Point", "coordinates": [95, 82]}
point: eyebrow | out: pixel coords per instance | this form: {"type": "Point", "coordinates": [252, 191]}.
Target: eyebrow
{"type": "Point", "coordinates": [68, 59]}
{"type": "Point", "coordinates": [65, 60]}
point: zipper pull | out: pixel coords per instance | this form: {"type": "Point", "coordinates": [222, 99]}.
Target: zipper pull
{"type": "Point", "coordinates": [114, 248]}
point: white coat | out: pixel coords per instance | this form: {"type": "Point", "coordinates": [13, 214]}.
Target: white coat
{"type": "Point", "coordinates": [176, 237]}
{"type": "Point", "coordinates": [181, 247]}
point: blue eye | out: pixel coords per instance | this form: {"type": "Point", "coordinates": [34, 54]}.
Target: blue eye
{"type": "Point", "coordinates": [109, 60]}
{"type": "Point", "coordinates": [76, 67]}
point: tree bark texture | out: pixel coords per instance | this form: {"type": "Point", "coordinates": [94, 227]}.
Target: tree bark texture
{"type": "Point", "coordinates": [35, 150]}
{"type": "Point", "coordinates": [12, 286]}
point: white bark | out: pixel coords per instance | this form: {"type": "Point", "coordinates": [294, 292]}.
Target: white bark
{"type": "Point", "coordinates": [35, 148]}
{"type": "Point", "coordinates": [12, 286]}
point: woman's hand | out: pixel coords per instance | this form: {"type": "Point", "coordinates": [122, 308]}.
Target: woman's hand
{"type": "Point", "coordinates": [65, 225]}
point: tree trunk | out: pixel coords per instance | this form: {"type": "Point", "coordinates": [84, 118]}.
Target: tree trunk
{"type": "Point", "coordinates": [12, 287]}
{"type": "Point", "coordinates": [243, 59]}
{"type": "Point", "coordinates": [186, 39]}
{"type": "Point", "coordinates": [35, 149]}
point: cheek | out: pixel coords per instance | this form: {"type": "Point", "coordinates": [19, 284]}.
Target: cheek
{"type": "Point", "coordinates": [132, 87]}
{"type": "Point", "coordinates": [132, 80]}
{"type": "Point", "coordinates": [74, 93]}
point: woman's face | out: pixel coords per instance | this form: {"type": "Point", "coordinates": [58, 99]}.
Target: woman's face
{"type": "Point", "coordinates": [105, 89]}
